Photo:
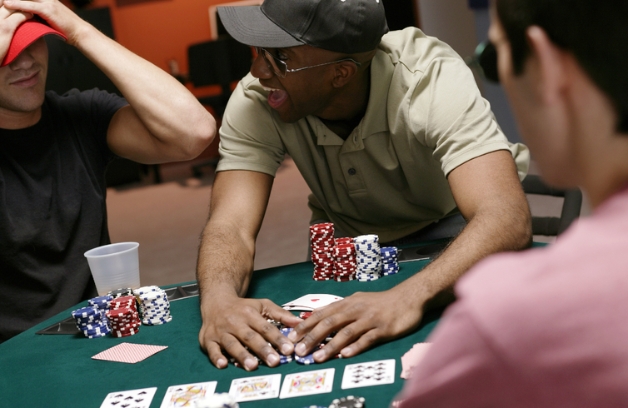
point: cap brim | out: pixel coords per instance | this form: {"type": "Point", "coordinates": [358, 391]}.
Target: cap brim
{"type": "Point", "coordinates": [248, 25]}
{"type": "Point", "coordinates": [27, 33]}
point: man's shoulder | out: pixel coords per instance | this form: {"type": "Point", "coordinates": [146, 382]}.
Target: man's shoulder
{"type": "Point", "coordinates": [413, 48]}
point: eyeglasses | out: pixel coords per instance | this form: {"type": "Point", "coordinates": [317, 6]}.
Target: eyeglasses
{"type": "Point", "coordinates": [485, 61]}
{"type": "Point", "coordinates": [280, 68]}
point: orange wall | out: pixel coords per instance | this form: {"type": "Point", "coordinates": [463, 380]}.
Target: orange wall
{"type": "Point", "coordinates": [161, 30]}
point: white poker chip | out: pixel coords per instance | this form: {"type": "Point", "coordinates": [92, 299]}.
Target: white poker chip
{"type": "Point", "coordinates": [220, 400]}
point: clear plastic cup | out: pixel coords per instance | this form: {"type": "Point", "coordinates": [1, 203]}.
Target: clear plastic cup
{"type": "Point", "coordinates": [114, 266]}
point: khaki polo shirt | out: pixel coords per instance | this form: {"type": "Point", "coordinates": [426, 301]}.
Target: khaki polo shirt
{"type": "Point", "coordinates": [424, 118]}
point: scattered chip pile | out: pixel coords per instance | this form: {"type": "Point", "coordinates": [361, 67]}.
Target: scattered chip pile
{"type": "Point", "coordinates": [368, 257]}
{"type": "Point", "coordinates": [390, 261]}
{"type": "Point", "coordinates": [123, 316]}
{"type": "Point", "coordinates": [154, 305]}
{"type": "Point", "coordinates": [322, 240]}
{"type": "Point", "coordinates": [91, 321]}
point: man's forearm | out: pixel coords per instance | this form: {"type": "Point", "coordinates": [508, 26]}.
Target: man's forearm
{"type": "Point", "coordinates": [225, 263]}
{"type": "Point", "coordinates": [167, 109]}
{"type": "Point", "coordinates": [484, 235]}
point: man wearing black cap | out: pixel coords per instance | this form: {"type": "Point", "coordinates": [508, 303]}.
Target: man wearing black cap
{"type": "Point", "coordinates": [54, 151]}
{"type": "Point", "coordinates": [391, 135]}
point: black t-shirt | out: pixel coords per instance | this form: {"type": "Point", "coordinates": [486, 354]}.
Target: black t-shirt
{"type": "Point", "coordinates": [52, 207]}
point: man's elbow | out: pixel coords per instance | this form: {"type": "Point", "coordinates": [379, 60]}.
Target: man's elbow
{"type": "Point", "coordinates": [200, 135]}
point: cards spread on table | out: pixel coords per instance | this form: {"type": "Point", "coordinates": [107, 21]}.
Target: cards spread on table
{"type": "Point", "coordinates": [129, 399]}
{"type": "Point", "coordinates": [255, 388]}
{"type": "Point", "coordinates": [368, 374]}
{"type": "Point", "coordinates": [308, 303]}
{"type": "Point", "coordinates": [128, 352]}
{"type": "Point", "coordinates": [185, 395]}
{"type": "Point", "coordinates": [307, 383]}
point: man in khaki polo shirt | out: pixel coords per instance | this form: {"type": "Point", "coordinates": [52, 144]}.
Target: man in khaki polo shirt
{"type": "Point", "coordinates": [391, 135]}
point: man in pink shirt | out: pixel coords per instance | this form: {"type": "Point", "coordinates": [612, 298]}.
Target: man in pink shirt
{"type": "Point", "coordinates": [549, 327]}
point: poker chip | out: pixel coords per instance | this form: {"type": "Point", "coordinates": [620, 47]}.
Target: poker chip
{"type": "Point", "coordinates": [322, 243]}
{"type": "Point", "coordinates": [120, 292]}
{"type": "Point", "coordinates": [305, 360]}
{"type": "Point", "coordinates": [91, 321]}
{"type": "Point", "coordinates": [154, 305]}
{"type": "Point", "coordinates": [348, 402]}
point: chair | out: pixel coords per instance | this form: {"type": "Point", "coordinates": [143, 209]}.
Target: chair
{"type": "Point", "coordinates": [218, 62]}
{"type": "Point", "coordinates": [572, 203]}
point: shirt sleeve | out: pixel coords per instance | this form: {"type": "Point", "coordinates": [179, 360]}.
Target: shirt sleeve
{"type": "Point", "coordinates": [459, 124]}
{"type": "Point", "coordinates": [249, 137]}
{"type": "Point", "coordinates": [460, 369]}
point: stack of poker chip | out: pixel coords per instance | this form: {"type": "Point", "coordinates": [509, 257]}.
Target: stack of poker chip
{"type": "Point", "coordinates": [345, 263]}
{"type": "Point", "coordinates": [120, 292]}
{"type": "Point", "coordinates": [390, 263]}
{"type": "Point", "coordinates": [154, 305]}
{"type": "Point", "coordinates": [123, 316]}
{"type": "Point", "coordinates": [91, 321]}
{"type": "Point", "coordinates": [322, 240]}
{"type": "Point", "coordinates": [367, 253]}
{"type": "Point", "coordinates": [100, 302]}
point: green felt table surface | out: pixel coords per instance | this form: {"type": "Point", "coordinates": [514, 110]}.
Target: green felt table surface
{"type": "Point", "coordinates": [58, 371]}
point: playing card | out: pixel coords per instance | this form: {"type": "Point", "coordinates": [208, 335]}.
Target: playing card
{"type": "Point", "coordinates": [368, 374]}
{"type": "Point", "coordinates": [255, 388]}
{"type": "Point", "coordinates": [311, 302]}
{"type": "Point", "coordinates": [307, 383]}
{"type": "Point", "coordinates": [129, 399]}
{"type": "Point", "coordinates": [185, 395]}
{"type": "Point", "coordinates": [128, 352]}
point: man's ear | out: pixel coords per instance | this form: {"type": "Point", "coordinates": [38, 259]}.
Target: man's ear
{"type": "Point", "coordinates": [343, 73]}
{"type": "Point", "coordinates": [548, 64]}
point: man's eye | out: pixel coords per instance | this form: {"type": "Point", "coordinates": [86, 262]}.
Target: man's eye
{"type": "Point", "coordinates": [281, 55]}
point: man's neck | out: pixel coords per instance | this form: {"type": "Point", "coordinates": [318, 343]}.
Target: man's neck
{"type": "Point", "coordinates": [18, 120]}
{"type": "Point", "coordinates": [349, 107]}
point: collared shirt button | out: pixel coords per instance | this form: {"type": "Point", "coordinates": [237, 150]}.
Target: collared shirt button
{"type": "Point", "coordinates": [352, 171]}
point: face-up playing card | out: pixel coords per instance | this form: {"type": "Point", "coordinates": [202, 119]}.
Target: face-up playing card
{"type": "Point", "coordinates": [129, 399]}
{"type": "Point", "coordinates": [311, 302]}
{"type": "Point", "coordinates": [128, 352]}
{"type": "Point", "coordinates": [255, 388]}
{"type": "Point", "coordinates": [368, 374]}
{"type": "Point", "coordinates": [307, 383]}
{"type": "Point", "coordinates": [185, 395]}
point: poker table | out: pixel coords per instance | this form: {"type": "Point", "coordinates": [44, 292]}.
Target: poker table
{"type": "Point", "coordinates": [57, 370]}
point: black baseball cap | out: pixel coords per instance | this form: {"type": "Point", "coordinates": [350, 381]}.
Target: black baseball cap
{"type": "Point", "coordinates": [346, 26]}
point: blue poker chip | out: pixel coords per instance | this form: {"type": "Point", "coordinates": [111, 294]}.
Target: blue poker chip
{"type": "Point", "coordinates": [285, 359]}
{"type": "Point", "coordinates": [286, 331]}
{"type": "Point", "coordinates": [306, 360]}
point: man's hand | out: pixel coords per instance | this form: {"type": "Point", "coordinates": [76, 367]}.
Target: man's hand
{"type": "Point", "coordinates": [54, 12]}
{"type": "Point", "coordinates": [9, 21]}
{"type": "Point", "coordinates": [235, 323]}
{"type": "Point", "coordinates": [361, 320]}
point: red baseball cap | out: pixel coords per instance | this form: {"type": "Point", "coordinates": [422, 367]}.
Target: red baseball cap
{"type": "Point", "coordinates": [27, 33]}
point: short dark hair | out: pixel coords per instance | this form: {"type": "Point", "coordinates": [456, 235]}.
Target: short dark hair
{"type": "Point", "coordinates": [594, 31]}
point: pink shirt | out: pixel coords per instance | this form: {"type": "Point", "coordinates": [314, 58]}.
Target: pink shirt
{"type": "Point", "coordinates": [543, 328]}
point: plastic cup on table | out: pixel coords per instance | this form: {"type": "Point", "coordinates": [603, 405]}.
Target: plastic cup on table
{"type": "Point", "coordinates": [114, 266]}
